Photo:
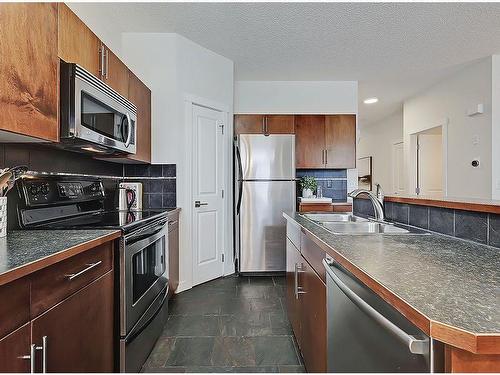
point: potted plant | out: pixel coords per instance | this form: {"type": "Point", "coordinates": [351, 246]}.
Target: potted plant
{"type": "Point", "coordinates": [308, 185]}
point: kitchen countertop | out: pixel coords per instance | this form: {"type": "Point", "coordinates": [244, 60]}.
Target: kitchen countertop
{"type": "Point", "coordinates": [25, 251]}
{"type": "Point", "coordinates": [451, 287]}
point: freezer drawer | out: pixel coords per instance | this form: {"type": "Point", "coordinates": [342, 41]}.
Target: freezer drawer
{"type": "Point", "coordinates": [365, 333]}
{"type": "Point", "coordinates": [262, 228]}
{"type": "Point", "coordinates": [267, 157]}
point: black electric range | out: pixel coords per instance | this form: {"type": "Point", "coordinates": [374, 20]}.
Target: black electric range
{"type": "Point", "coordinates": [141, 255]}
{"type": "Point", "coordinates": [67, 202]}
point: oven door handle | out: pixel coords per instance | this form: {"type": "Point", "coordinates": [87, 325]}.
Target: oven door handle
{"type": "Point", "coordinates": [146, 233]}
{"type": "Point", "coordinates": [137, 331]}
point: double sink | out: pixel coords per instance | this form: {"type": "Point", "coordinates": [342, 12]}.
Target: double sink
{"type": "Point", "coordinates": [350, 224]}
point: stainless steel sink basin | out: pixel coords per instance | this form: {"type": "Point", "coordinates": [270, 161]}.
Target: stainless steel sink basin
{"type": "Point", "coordinates": [326, 218]}
{"type": "Point", "coordinates": [368, 227]}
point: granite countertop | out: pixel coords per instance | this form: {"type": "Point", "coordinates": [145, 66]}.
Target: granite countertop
{"type": "Point", "coordinates": [450, 281]}
{"type": "Point", "coordinates": [26, 251]}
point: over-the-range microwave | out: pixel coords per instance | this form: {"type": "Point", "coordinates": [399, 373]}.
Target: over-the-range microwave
{"type": "Point", "coordinates": [94, 117]}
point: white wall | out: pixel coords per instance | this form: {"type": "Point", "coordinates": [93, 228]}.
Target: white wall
{"type": "Point", "coordinates": [178, 70]}
{"type": "Point", "coordinates": [296, 97]}
{"type": "Point", "coordinates": [377, 140]}
{"type": "Point", "coordinates": [448, 101]}
{"type": "Point", "coordinates": [495, 127]}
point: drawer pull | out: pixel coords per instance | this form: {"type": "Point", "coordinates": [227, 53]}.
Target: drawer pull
{"type": "Point", "coordinates": [90, 266]}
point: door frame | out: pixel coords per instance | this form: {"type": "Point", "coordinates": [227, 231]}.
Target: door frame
{"type": "Point", "coordinates": [186, 281]}
{"type": "Point", "coordinates": [412, 170]}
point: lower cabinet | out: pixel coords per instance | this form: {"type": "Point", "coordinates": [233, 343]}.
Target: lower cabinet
{"type": "Point", "coordinates": [61, 318]}
{"type": "Point", "coordinates": [293, 260]}
{"type": "Point", "coordinates": [15, 350]}
{"type": "Point", "coordinates": [306, 307]}
{"type": "Point", "coordinates": [313, 318]}
{"type": "Point", "coordinates": [78, 331]}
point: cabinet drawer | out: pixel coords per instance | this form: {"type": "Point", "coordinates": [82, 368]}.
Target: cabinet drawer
{"type": "Point", "coordinates": [293, 233]}
{"type": "Point", "coordinates": [313, 254]}
{"type": "Point", "coordinates": [14, 305]}
{"type": "Point", "coordinates": [52, 284]}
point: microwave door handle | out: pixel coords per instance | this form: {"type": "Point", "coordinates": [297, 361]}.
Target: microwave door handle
{"type": "Point", "coordinates": [129, 135]}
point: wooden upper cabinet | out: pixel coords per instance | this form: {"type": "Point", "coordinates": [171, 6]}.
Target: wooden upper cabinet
{"type": "Point", "coordinates": [279, 124]}
{"type": "Point", "coordinates": [140, 95]}
{"type": "Point", "coordinates": [29, 95]}
{"type": "Point", "coordinates": [325, 141]}
{"type": "Point", "coordinates": [77, 43]}
{"type": "Point", "coordinates": [249, 124]}
{"type": "Point", "coordinates": [340, 139]}
{"type": "Point", "coordinates": [309, 141]}
{"type": "Point", "coordinates": [116, 73]}
{"type": "Point", "coordinates": [264, 124]}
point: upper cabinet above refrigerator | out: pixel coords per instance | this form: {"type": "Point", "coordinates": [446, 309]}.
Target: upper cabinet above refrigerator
{"type": "Point", "coordinates": [264, 124]}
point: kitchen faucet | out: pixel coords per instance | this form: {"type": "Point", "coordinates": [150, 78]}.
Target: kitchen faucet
{"type": "Point", "coordinates": [377, 200]}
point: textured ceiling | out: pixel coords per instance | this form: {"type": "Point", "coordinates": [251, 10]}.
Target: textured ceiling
{"type": "Point", "coordinates": [394, 50]}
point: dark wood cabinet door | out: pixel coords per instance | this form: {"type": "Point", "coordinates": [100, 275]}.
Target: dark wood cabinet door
{"type": "Point", "coordinates": [29, 95]}
{"type": "Point", "coordinates": [77, 43]}
{"type": "Point", "coordinates": [79, 330]}
{"type": "Point", "coordinates": [340, 138]}
{"type": "Point", "coordinates": [313, 319]}
{"type": "Point", "coordinates": [173, 259]}
{"type": "Point", "coordinates": [249, 124]}
{"type": "Point", "coordinates": [292, 303]}
{"type": "Point", "coordinates": [13, 347]}
{"type": "Point", "coordinates": [309, 141]}
{"type": "Point", "coordinates": [140, 95]}
{"type": "Point", "coordinates": [280, 124]}
{"type": "Point", "coordinates": [116, 73]}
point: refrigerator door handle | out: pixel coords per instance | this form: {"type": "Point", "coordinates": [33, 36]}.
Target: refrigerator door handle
{"type": "Point", "coordinates": [240, 182]}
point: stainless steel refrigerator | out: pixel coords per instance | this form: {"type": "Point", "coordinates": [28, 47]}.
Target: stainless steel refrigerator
{"type": "Point", "coordinates": [264, 188]}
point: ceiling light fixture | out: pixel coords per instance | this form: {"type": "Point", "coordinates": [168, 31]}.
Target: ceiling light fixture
{"type": "Point", "coordinates": [370, 100]}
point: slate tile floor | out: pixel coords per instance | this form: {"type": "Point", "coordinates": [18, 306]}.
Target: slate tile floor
{"type": "Point", "coordinates": [232, 324]}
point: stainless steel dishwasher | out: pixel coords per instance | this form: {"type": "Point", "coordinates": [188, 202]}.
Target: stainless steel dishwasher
{"type": "Point", "coordinates": [365, 333]}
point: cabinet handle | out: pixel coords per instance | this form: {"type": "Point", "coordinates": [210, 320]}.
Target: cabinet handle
{"type": "Point", "coordinates": [101, 61]}
{"type": "Point", "coordinates": [90, 266]}
{"type": "Point", "coordinates": [326, 157]}
{"type": "Point", "coordinates": [263, 124]}
{"type": "Point", "coordinates": [323, 157]}
{"type": "Point", "coordinates": [107, 62]}
{"type": "Point", "coordinates": [31, 357]}
{"type": "Point", "coordinates": [267, 128]}
{"type": "Point", "coordinates": [44, 354]}
{"type": "Point", "coordinates": [298, 289]}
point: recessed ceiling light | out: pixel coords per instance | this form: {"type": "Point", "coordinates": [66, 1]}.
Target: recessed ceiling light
{"type": "Point", "coordinates": [370, 100]}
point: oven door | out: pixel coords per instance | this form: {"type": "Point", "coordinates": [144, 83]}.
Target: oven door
{"type": "Point", "coordinates": [102, 116]}
{"type": "Point", "coordinates": [143, 273]}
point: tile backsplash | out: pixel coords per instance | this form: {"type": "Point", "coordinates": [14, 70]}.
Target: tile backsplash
{"type": "Point", "coordinates": [159, 183]}
{"type": "Point", "coordinates": [332, 181]}
{"type": "Point", "coordinates": [479, 227]}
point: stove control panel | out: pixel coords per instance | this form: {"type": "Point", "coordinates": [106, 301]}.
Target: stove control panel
{"type": "Point", "coordinates": [46, 192]}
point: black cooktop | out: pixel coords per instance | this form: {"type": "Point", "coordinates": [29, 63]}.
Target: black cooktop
{"type": "Point", "coordinates": [123, 220]}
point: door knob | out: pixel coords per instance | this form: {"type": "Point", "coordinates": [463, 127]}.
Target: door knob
{"type": "Point", "coordinates": [199, 204]}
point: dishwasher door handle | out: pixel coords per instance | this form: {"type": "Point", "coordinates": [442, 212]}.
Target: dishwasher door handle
{"type": "Point", "coordinates": [415, 345]}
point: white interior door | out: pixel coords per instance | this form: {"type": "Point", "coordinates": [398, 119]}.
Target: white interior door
{"type": "Point", "coordinates": [208, 202]}
{"type": "Point", "coordinates": [430, 164]}
{"type": "Point", "coordinates": [398, 172]}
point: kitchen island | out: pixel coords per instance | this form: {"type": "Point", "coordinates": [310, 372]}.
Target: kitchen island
{"type": "Point", "coordinates": [448, 288]}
